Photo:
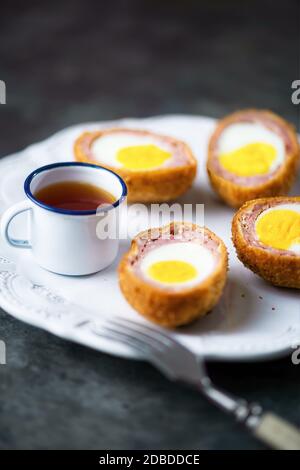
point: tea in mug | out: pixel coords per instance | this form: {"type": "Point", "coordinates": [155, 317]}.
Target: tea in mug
{"type": "Point", "coordinates": [74, 196]}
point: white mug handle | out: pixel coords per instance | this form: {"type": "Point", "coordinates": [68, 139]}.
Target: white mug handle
{"type": "Point", "coordinates": [6, 219]}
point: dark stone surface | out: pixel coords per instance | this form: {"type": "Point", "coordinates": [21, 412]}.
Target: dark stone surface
{"type": "Point", "coordinates": [77, 61]}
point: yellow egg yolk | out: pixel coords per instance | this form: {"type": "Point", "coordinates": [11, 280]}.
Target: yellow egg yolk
{"type": "Point", "coordinates": [250, 160]}
{"type": "Point", "coordinates": [142, 157]}
{"type": "Point", "coordinates": [172, 272]}
{"type": "Point", "coordinates": [279, 228]}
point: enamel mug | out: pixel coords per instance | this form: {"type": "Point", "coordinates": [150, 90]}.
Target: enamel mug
{"type": "Point", "coordinates": [68, 241]}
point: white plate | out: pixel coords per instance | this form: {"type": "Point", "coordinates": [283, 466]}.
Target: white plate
{"type": "Point", "coordinates": [253, 320]}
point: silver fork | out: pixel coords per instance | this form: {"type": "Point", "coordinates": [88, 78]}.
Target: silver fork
{"type": "Point", "coordinates": [179, 364]}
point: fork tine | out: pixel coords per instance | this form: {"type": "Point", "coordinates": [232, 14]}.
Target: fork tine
{"type": "Point", "coordinates": [152, 354]}
{"type": "Point", "coordinates": [122, 338]}
{"type": "Point", "coordinates": [136, 333]}
{"type": "Point", "coordinates": [154, 333]}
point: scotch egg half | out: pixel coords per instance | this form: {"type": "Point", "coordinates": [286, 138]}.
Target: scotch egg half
{"type": "Point", "coordinates": [174, 274]}
{"type": "Point", "coordinates": [266, 235]}
{"type": "Point", "coordinates": [155, 168]}
{"type": "Point", "coordinates": [252, 154]}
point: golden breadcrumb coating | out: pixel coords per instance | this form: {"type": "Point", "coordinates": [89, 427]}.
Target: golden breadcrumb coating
{"type": "Point", "coordinates": [166, 307]}
{"type": "Point", "coordinates": [271, 265]}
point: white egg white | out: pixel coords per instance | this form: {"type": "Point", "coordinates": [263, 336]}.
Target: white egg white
{"type": "Point", "coordinates": [289, 206]}
{"type": "Point", "coordinates": [106, 148]}
{"type": "Point", "coordinates": [240, 134]}
{"type": "Point", "coordinates": [201, 258]}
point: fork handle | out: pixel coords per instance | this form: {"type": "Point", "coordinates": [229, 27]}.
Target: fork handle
{"type": "Point", "coordinates": [265, 426]}
{"type": "Point", "coordinates": [277, 433]}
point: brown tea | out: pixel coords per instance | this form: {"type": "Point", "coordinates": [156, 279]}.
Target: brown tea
{"type": "Point", "coordinates": [74, 196]}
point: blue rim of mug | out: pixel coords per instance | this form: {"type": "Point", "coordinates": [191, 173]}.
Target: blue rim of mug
{"type": "Point", "coordinates": [32, 175]}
